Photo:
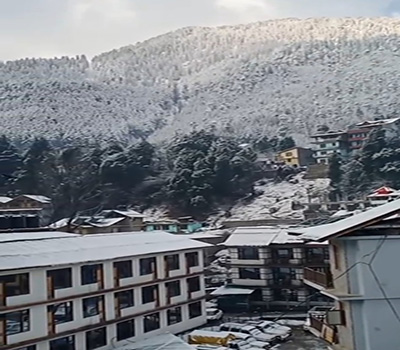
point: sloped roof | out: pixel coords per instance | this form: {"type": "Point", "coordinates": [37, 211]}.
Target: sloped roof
{"type": "Point", "coordinates": [225, 290]}
{"type": "Point", "coordinates": [347, 225]}
{"type": "Point", "coordinates": [87, 248]}
{"type": "Point", "coordinates": [4, 199]}
{"type": "Point", "coordinates": [129, 213]}
{"type": "Point", "coordinates": [31, 236]}
{"type": "Point", "coordinates": [37, 198]}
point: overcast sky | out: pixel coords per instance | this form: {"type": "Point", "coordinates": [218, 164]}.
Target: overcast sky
{"type": "Point", "coordinates": [47, 28]}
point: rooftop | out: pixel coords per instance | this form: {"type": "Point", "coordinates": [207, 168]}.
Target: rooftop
{"type": "Point", "coordinates": [166, 341]}
{"type": "Point", "coordinates": [32, 236]}
{"type": "Point", "coordinates": [73, 249]}
{"type": "Point", "coordinates": [349, 224]}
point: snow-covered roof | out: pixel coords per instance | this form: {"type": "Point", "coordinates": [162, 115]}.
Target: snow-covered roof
{"type": "Point", "coordinates": [87, 248]}
{"type": "Point", "coordinates": [31, 236]}
{"type": "Point", "coordinates": [87, 222]}
{"type": "Point", "coordinates": [225, 290]}
{"type": "Point", "coordinates": [260, 236]}
{"type": "Point", "coordinates": [166, 341]}
{"type": "Point", "coordinates": [129, 213]}
{"type": "Point", "coordinates": [37, 198]}
{"type": "Point", "coordinates": [347, 225]}
{"type": "Point", "coordinates": [206, 234]}
{"type": "Point", "coordinates": [378, 122]}
{"type": "Point", "coordinates": [4, 199]}
{"type": "Point", "coordinates": [103, 222]}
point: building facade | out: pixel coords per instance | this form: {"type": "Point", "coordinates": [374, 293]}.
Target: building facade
{"type": "Point", "coordinates": [98, 291]}
{"type": "Point", "coordinates": [270, 263]}
{"type": "Point", "coordinates": [326, 144]}
{"type": "Point", "coordinates": [363, 256]}
{"type": "Point", "coordinates": [296, 156]}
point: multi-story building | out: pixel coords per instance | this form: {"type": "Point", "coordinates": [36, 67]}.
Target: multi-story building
{"type": "Point", "coordinates": [327, 143]}
{"type": "Point", "coordinates": [361, 280]}
{"type": "Point", "coordinates": [296, 156]}
{"type": "Point", "coordinates": [25, 212]}
{"type": "Point", "coordinates": [266, 269]}
{"type": "Point", "coordinates": [62, 291]}
{"type": "Point", "coordinates": [358, 133]}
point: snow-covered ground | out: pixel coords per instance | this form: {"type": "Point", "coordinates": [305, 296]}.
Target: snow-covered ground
{"type": "Point", "coordinates": [277, 198]}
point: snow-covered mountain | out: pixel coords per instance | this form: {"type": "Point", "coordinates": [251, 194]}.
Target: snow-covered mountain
{"type": "Point", "coordinates": [257, 79]}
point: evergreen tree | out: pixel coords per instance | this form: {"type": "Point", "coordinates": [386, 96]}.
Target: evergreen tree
{"type": "Point", "coordinates": [335, 174]}
{"type": "Point", "coordinates": [10, 162]}
{"type": "Point", "coordinates": [285, 143]}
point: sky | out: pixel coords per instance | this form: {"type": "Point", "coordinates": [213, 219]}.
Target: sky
{"type": "Point", "coordinates": [49, 28]}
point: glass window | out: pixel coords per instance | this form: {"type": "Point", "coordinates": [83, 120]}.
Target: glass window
{"type": "Point", "coordinates": [30, 347]}
{"type": "Point", "coordinates": [149, 294]}
{"type": "Point", "coordinates": [17, 322]}
{"type": "Point", "coordinates": [61, 278]}
{"type": "Point", "coordinates": [89, 273]}
{"type": "Point", "coordinates": [66, 343]}
{"type": "Point", "coordinates": [173, 288]}
{"type": "Point", "coordinates": [248, 253]}
{"type": "Point", "coordinates": [193, 284]}
{"type": "Point", "coordinates": [249, 273]}
{"type": "Point", "coordinates": [174, 315]}
{"type": "Point", "coordinates": [195, 309]}
{"type": "Point", "coordinates": [322, 145]}
{"type": "Point", "coordinates": [61, 312]}
{"type": "Point", "coordinates": [172, 262]}
{"type": "Point", "coordinates": [192, 259]}
{"type": "Point", "coordinates": [125, 299]}
{"type": "Point", "coordinates": [288, 154]}
{"type": "Point", "coordinates": [124, 269]}
{"type": "Point", "coordinates": [96, 338]}
{"type": "Point", "coordinates": [147, 266]}
{"type": "Point", "coordinates": [151, 322]}
{"type": "Point", "coordinates": [91, 306]}
{"type": "Point", "coordinates": [125, 329]}
{"type": "Point", "coordinates": [15, 284]}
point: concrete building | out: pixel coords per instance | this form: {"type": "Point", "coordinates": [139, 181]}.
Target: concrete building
{"type": "Point", "coordinates": [296, 156]}
{"type": "Point", "coordinates": [266, 270]}
{"type": "Point", "coordinates": [61, 291]}
{"type": "Point", "coordinates": [383, 195]}
{"type": "Point", "coordinates": [327, 143]}
{"type": "Point", "coordinates": [364, 255]}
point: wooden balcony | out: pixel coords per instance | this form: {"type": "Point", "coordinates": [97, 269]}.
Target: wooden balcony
{"type": "Point", "coordinates": [323, 279]}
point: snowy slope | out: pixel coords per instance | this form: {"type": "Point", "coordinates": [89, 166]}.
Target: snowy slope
{"type": "Point", "coordinates": [277, 198]}
{"type": "Point", "coordinates": [261, 78]}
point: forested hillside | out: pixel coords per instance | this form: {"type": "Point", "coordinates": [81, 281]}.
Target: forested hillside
{"type": "Point", "coordinates": [263, 79]}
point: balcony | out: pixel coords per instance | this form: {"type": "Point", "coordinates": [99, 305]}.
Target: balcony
{"type": "Point", "coordinates": [321, 279]}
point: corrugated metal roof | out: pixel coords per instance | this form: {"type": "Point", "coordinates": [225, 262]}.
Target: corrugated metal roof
{"type": "Point", "coordinates": [98, 247]}
{"type": "Point", "coordinates": [165, 341]}
{"type": "Point", "coordinates": [347, 225]}
{"type": "Point", "coordinates": [225, 290]}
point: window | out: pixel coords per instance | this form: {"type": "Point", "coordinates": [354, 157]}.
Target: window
{"type": "Point", "coordinates": [149, 294]}
{"type": "Point", "coordinates": [96, 338]}
{"type": "Point", "coordinates": [192, 259]}
{"type": "Point", "coordinates": [322, 145]}
{"type": "Point", "coordinates": [125, 299]}
{"type": "Point", "coordinates": [89, 273]}
{"type": "Point", "coordinates": [125, 329]}
{"type": "Point", "coordinates": [61, 278]}
{"type": "Point", "coordinates": [172, 262]}
{"type": "Point", "coordinates": [147, 266]}
{"type": "Point", "coordinates": [193, 284]}
{"type": "Point", "coordinates": [283, 254]}
{"type": "Point", "coordinates": [15, 284]}
{"type": "Point", "coordinates": [285, 294]}
{"type": "Point", "coordinates": [174, 315]}
{"type": "Point", "coordinates": [195, 309]}
{"type": "Point", "coordinates": [288, 154]}
{"type": "Point", "coordinates": [249, 273]}
{"type": "Point", "coordinates": [248, 253]}
{"type": "Point", "coordinates": [151, 322]}
{"type": "Point", "coordinates": [17, 322]}
{"type": "Point", "coordinates": [61, 312]}
{"type": "Point", "coordinates": [173, 288]}
{"type": "Point", "coordinates": [123, 269]}
{"type": "Point", "coordinates": [91, 306]}
{"type": "Point", "coordinates": [31, 347]}
{"type": "Point", "coordinates": [284, 276]}
{"type": "Point", "coordinates": [66, 343]}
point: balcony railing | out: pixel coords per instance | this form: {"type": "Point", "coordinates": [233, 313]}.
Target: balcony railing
{"type": "Point", "coordinates": [323, 279]}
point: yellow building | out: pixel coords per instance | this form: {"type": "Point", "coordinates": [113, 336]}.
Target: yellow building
{"type": "Point", "coordinates": [296, 156]}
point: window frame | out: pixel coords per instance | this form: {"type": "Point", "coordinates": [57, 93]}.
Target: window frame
{"type": "Point", "coordinates": [98, 299]}
{"type": "Point", "coordinates": [175, 265]}
{"type": "Point", "coordinates": [71, 344]}
{"type": "Point", "coordinates": [127, 269]}
{"type": "Point", "coordinates": [154, 288]}
{"type": "Point", "coordinates": [192, 259]}
{"type": "Point", "coordinates": [132, 325]}
{"type": "Point", "coordinates": [249, 276]}
{"type": "Point", "coordinates": [173, 283]}
{"type": "Point", "coordinates": [66, 275]}
{"type": "Point", "coordinates": [157, 322]}
{"type": "Point", "coordinates": [20, 279]}
{"type": "Point", "coordinates": [118, 295]}
{"type": "Point", "coordinates": [93, 268]}
{"type": "Point", "coordinates": [69, 306]}
{"type": "Point", "coordinates": [174, 315]}
{"type": "Point", "coordinates": [147, 266]}
{"type": "Point", "coordinates": [195, 304]}
{"type": "Point", "coordinates": [103, 335]}
{"type": "Point", "coordinates": [248, 253]}
{"type": "Point", "coordinates": [24, 324]}
{"type": "Point", "coordinates": [193, 281]}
